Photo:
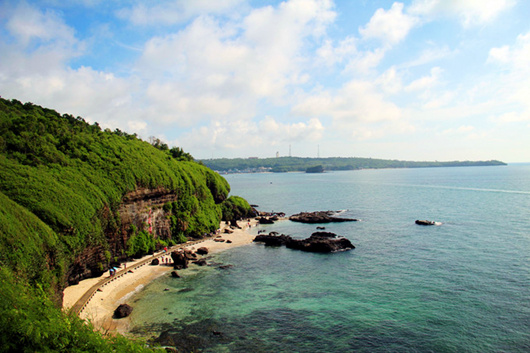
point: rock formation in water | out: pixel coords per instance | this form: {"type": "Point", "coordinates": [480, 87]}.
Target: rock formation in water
{"type": "Point", "coordinates": [319, 217]}
{"type": "Point", "coordinates": [425, 222]}
{"type": "Point", "coordinates": [323, 242]}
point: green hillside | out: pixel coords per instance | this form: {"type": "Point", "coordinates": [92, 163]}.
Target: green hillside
{"type": "Point", "coordinates": [62, 182]}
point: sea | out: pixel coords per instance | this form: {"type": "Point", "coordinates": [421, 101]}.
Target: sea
{"type": "Point", "coordinates": [460, 286]}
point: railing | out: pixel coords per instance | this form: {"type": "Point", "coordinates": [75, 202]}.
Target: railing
{"type": "Point", "coordinates": [82, 302]}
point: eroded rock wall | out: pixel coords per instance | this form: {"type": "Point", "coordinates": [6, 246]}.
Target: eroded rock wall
{"type": "Point", "coordinates": [142, 208]}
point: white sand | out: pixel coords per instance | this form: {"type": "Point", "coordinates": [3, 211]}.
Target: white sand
{"type": "Point", "coordinates": [100, 309]}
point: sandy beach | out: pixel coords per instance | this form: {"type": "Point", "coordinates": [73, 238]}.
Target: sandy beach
{"type": "Point", "coordinates": [100, 309]}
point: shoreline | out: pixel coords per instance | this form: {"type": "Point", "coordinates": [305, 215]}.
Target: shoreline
{"type": "Point", "coordinates": [100, 309]}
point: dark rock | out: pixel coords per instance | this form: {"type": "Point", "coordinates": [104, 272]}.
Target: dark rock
{"type": "Point", "coordinates": [174, 274]}
{"type": "Point", "coordinates": [228, 231]}
{"type": "Point", "coordinates": [219, 240]}
{"type": "Point", "coordinates": [166, 289]}
{"type": "Point", "coordinates": [264, 220]}
{"type": "Point", "coordinates": [273, 240]}
{"type": "Point", "coordinates": [425, 223]}
{"type": "Point", "coordinates": [155, 262]}
{"type": "Point", "coordinates": [229, 241]}
{"type": "Point", "coordinates": [123, 310]}
{"type": "Point", "coordinates": [233, 223]}
{"type": "Point", "coordinates": [225, 267]}
{"type": "Point", "coordinates": [217, 333]}
{"type": "Point", "coordinates": [200, 262]}
{"type": "Point", "coordinates": [202, 251]}
{"type": "Point", "coordinates": [318, 242]}
{"type": "Point", "coordinates": [322, 242]}
{"type": "Point", "coordinates": [319, 217]}
{"type": "Point", "coordinates": [180, 260]}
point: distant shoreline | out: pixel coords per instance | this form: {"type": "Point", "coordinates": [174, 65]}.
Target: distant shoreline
{"type": "Point", "coordinates": [299, 164]}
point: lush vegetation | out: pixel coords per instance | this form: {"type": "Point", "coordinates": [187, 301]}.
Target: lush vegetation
{"type": "Point", "coordinates": [292, 164]}
{"type": "Point", "coordinates": [62, 181]}
{"type": "Point", "coordinates": [315, 169]}
{"type": "Point", "coordinates": [31, 322]}
{"type": "Point", "coordinates": [236, 208]}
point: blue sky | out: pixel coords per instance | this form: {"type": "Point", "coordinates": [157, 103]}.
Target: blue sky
{"type": "Point", "coordinates": [413, 80]}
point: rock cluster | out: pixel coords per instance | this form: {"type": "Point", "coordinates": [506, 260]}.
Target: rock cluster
{"type": "Point", "coordinates": [323, 242]}
{"type": "Point", "coordinates": [182, 258]}
{"type": "Point", "coordinates": [319, 217]}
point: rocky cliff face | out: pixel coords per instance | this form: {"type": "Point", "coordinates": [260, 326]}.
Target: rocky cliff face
{"type": "Point", "coordinates": [142, 208]}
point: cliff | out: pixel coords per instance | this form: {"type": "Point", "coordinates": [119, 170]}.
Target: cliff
{"type": "Point", "coordinates": [75, 199]}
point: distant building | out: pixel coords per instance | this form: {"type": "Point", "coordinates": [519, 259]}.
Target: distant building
{"type": "Point", "coordinates": [277, 154]}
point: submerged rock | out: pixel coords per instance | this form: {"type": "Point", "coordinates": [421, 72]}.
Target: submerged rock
{"type": "Point", "coordinates": [201, 262]}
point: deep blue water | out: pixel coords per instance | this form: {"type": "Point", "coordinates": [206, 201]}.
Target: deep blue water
{"type": "Point", "coordinates": [463, 286]}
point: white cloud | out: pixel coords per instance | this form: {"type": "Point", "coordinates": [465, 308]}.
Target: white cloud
{"type": "Point", "coordinates": [425, 82]}
{"type": "Point", "coordinates": [355, 103]}
{"type": "Point", "coordinates": [516, 57]}
{"type": "Point", "coordinates": [429, 55]}
{"type": "Point", "coordinates": [390, 81]}
{"type": "Point", "coordinates": [390, 26]}
{"type": "Point", "coordinates": [464, 129]}
{"type": "Point", "coordinates": [365, 62]}
{"type": "Point", "coordinates": [213, 70]}
{"type": "Point", "coordinates": [170, 12]}
{"type": "Point", "coordinates": [226, 136]}
{"type": "Point", "coordinates": [470, 12]}
{"type": "Point", "coordinates": [28, 24]}
{"type": "Point", "coordinates": [330, 55]}
{"type": "Point", "coordinates": [514, 80]}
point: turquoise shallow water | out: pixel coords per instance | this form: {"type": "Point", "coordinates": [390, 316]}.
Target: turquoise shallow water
{"type": "Point", "coordinates": [463, 286]}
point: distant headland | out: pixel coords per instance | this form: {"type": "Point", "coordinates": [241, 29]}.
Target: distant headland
{"type": "Point", "coordinates": [299, 164]}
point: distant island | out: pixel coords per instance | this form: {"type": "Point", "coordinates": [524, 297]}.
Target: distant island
{"type": "Point", "coordinates": [318, 165]}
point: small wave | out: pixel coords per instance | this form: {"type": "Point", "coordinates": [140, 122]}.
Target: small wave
{"type": "Point", "coordinates": [136, 290]}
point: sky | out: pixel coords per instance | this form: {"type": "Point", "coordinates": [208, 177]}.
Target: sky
{"type": "Point", "coordinates": [411, 80]}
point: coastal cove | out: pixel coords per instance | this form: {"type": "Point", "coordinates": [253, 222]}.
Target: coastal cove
{"type": "Point", "coordinates": [461, 286]}
{"type": "Point", "coordinates": [99, 311]}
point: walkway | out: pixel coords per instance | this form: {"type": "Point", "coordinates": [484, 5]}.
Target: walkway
{"type": "Point", "coordinates": [81, 304]}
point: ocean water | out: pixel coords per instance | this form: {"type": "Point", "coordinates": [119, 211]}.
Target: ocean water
{"type": "Point", "coordinates": [463, 286]}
